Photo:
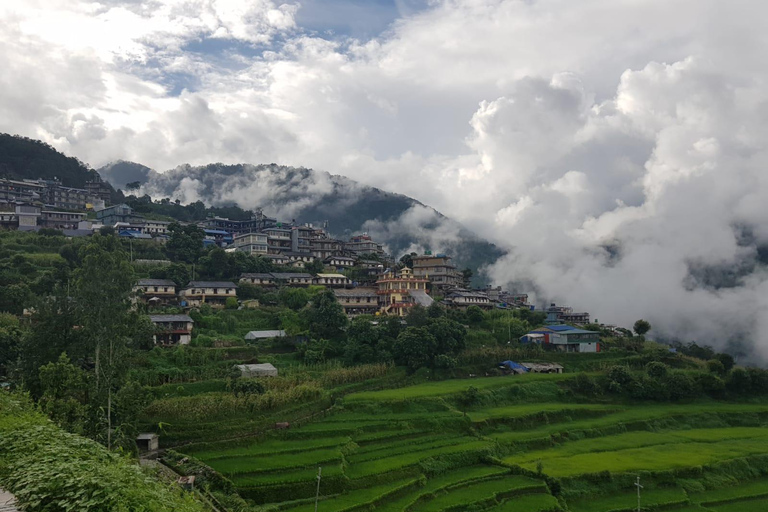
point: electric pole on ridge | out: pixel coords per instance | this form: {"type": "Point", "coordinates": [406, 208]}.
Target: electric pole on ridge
{"type": "Point", "coordinates": [317, 494]}
{"type": "Point", "coordinates": [637, 484]}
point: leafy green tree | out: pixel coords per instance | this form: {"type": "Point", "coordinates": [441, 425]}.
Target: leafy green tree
{"type": "Point", "coordinates": [231, 303]}
{"type": "Point", "coordinates": [64, 389]}
{"type": "Point", "coordinates": [468, 398]}
{"type": "Point", "coordinates": [176, 272]}
{"type": "Point", "coordinates": [14, 298]}
{"type": "Point", "coordinates": [716, 366]}
{"type": "Point", "coordinates": [449, 335]}
{"type": "Point", "coordinates": [362, 342]}
{"type": "Point", "coordinates": [103, 288]}
{"type": "Point", "coordinates": [727, 361]}
{"type": "Point", "coordinates": [475, 315]}
{"type": "Point", "coordinates": [293, 298]}
{"type": "Point", "coordinates": [417, 316]}
{"type": "Point", "coordinates": [406, 260]}
{"type": "Point", "coordinates": [415, 348]}
{"type": "Point", "coordinates": [657, 369]}
{"type": "Point", "coordinates": [641, 327]}
{"type": "Point", "coordinates": [466, 277]}
{"type": "Point", "coordinates": [314, 267]}
{"type": "Point", "coordinates": [435, 310]}
{"type": "Point", "coordinates": [185, 243]}
{"type": "Point", "coordinates": [10, 343]}
{"type": "Point", "coordinates": [326, 317]}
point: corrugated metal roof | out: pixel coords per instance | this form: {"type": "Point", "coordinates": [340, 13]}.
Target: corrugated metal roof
{"type": "Point", "coordinates": [156, 282]}
{"type": "Point", "coordinates": [421, 297]}
{"type": "Point", "coordinates": [211, 284]}
{"type": "Point", "coordinates": [258, 335]}
{"type": "Point", "coordinates": [170, 318]}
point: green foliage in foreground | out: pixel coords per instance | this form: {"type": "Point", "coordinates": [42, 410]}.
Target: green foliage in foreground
{"type": "Point", "coordinates": [48, 469]}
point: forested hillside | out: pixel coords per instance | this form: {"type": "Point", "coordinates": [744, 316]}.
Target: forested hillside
{"type": "Point", "coordinates": [23, 158]}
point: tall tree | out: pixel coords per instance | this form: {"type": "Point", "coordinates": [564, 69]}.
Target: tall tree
{"type": "Point", "coordinates": [326, 316]}
{"type": "Point", "coordinates": [185, 242]}
{"type": "Point", "coordinates": [641, 327]}
{"type": "Point", "coordinates": [104, 283]}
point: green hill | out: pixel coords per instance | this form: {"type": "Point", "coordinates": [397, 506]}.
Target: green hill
{"type": "Point", "coordinates": [23, 158]}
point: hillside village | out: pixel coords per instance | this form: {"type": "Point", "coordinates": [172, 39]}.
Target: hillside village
{"type": "Point", "coordinates": [364, 278]}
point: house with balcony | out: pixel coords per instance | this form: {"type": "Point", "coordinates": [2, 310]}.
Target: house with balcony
{"type": "Point", "coordinates": [363, 244]}
{"type": "Point", "coordinates": [438, 269]}
{"type": "Point", "coordinates": [258, 279]}
{"type": "Point", "coordinates": [399, 291]}
{"type": "Point", "coordinates": [462, 299]}
{"type": "Point", "coordinates": [292, 279]}
{"type": "Point", "coordinates": [340, 262]}
{"type": "Point", "coordinates": [565, 315]}
{"type": "Point", "coordinates": [298, 259]}
{"type": "Point", "coordinates": [358, 301]}
{"type": "Point", "coordinates": [60, 220]}
{"type": "Point", "coordinates": [251, 243]}
{"type": "Point", "coordinates": [214, 293]}
{"type": "Point", "coordinates": [333, 280]}
{"type": "Point", "coordinates": [278, 240]}
{"type": "Point", "coordinates": [324, 248]}
{"type": "Point", "coordinates": [172, 329]}
{"type": "Point", "coordinates": [564, 338]}
{"type": "Point", "coordinates": [155, 291]}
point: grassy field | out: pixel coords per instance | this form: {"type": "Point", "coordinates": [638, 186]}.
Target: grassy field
{"type": "Point", "coordinates": [414, 449]}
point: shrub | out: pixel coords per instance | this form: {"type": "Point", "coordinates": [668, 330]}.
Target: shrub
{"type": "Point", "coordinates": [231, 303]}
{"type": "Point", "coordinates": [657, 369]}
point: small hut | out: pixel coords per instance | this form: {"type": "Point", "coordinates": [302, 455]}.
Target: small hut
{"type": "Point", "coordinates": [148, 442]}
{"type": "Point", "coordinates": [248, 371]}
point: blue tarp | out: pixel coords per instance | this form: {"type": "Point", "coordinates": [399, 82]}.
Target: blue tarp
{"type": "Point", "coordinates": [511, 365]}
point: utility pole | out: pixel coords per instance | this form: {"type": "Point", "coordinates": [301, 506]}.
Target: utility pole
{"type": "Point", "coordinates": [637, 484]}
{"type": "Point", "coordinates": [317, 494]}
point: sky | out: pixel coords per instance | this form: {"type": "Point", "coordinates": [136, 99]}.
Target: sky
{"type": "Point", "coordinates": [616, 148]}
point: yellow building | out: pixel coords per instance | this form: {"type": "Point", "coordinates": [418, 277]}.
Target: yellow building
{"type": "Point", "coordinates": [401, 290]}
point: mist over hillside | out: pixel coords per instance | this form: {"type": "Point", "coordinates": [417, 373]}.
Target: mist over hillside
{"type": "Point", "coordinates": [401, 223]}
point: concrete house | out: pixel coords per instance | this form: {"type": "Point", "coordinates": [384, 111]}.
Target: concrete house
{"type": "Point", "coordinates": [438, 269]}
{"type": "Point", "coordinates": [214, 293]}
{"type": "Point", "coordinates": [251, 243]}
{"type": "Point", "coordinates": [358, 301]}
{"type": "Point", "coordinates": [156, 291]}
{"type": "Point", "coordinates": [564, 338]}
{"type": "Point", "coordinates": [462, 299]}
{"type": "Point", "coordinates": [264, 335]}
{"type": "Point", "coordinates": [340, 262]}
{"type": "Point", "coordinates": [259, 278]}
{"type": "Point", "coordinates": [172, 329]}
{"type": "Point", "coordinates": [333, 280]}
{"type": "Point", "coordinates": [291, 279]}
{"type": "Point", "coordinates": [399, 291]}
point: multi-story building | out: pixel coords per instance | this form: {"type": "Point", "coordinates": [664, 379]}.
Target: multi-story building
{"type": "Point", "coordinates": [438, 269]}
{"type": "Point", "coordinates": [399, 291]}
{"type": "Point", "coordinates": [333, 280]}
{"type": "Point", "coordinates": [118, 213]}
{"type": "Point", "coordinates": [258, 278]}
{"type": "Point", "coordinates": [462, 299]}
{"type": "Point", "coordinates": [252, 243]}
{"type": "Point", "coordinates": [257, 222]}
{"type": "Point", "coordinates": [565, 315]}
{"type": "Point", "coordinates": [99, 189]}
{"type": "Point", "coordinates": [358, 301]}
{"type": "Point", "coordinates": [217, 237]}
{"type": "Point", "coordinates": [278, 240]}
{"type": "Point", "coordinates": [324, 248]}
{"type": "Point", "coordinates": [363, 244]}
{"type": "Point", "coordinates": [60, 220]}
{"type": "Point", "coordinates": [68, 198]}
{"type": "Point", "coordinates": [292, 279]}
{"type": "Point", "coordinates": [155, 291]}
{"type": "Point", "coordinates": [27, 216]}
{"type": "Point", "coordinates": [172, 329]}
{"type": "Point", "coordinates": [155, 227]}
{"type": "Point", "coordinates": [340, 262]}
{"type": "Point", "coordinates": [300, 238]}
{"type": "Point", "coordinates": [298, 259]}
{"type": "Point", "coordinates": [22, 191]}
{"type": "Point", "coordinates": [214, 293]}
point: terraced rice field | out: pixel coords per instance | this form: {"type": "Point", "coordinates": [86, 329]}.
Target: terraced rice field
{"type": "Point", "coordinates": [420, 453]}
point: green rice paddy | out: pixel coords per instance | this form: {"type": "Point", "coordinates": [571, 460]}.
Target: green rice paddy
{"type": "Point", "coordinates": [412, 449]}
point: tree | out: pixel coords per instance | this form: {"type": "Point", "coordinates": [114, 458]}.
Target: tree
{"type": "Point", "coordinates": [134, 185]}
{"type": "Point", "coordinates": [326, 316]}
{"type": "Point", "coordinates": [103, 288]}
{"type": "Point", "coordinates": [449, 335]}
{"type": "Point", "coordinates": [185, 242]}
{"type": "Point", "coordinates": [362, 343]}
{"type": "Point", "coordinates": [64, 393]}
{"type": "Point", "coordinates": [10, 343]}
{"type": "Point", "coordinates": [231, 303]}
{"type": "Point", "coordinates": [414, 348]}
{"type": "Point", "coordinates": [176, 272]}
{"type": "Point", "coordinates": [468, 398]}
{"type": "Point", "coordinates": [417, 316]}
{"type": "Point", "coordinates": [466, 276]}
{"type": "Point", "coordinates": [314, 267]}
{"type": "Point", "coordinates": [716, 366]}
{"type": "Point", "coordinates": [475, 314]}
{"type": "Point", "coordinates": [641, 327]}
{"type": "Point", "coordinates": [727, 361]}
{"type": "Point", "coordinates": [657, 369]}
{"type": "Point", "coordinates": [435, 310]}
{"type": "Point", "coordinates": [407, 260]}
{"type": "Point", "coordinates": [293, 298]}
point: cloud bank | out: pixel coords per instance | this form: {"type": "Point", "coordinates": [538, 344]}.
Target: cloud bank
{"type": "Point", "coordinates": [617, 148]}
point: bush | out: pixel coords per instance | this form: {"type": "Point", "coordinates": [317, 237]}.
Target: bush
{"type": "Point", "coordinates": [231, 303]}
{"type": "Point", "coordinates": [657, 369]}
